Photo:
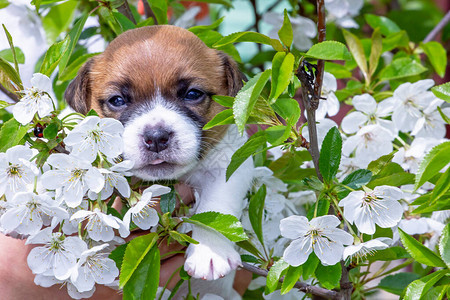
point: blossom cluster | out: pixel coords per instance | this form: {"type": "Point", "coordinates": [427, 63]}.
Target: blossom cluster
{"type": "Point", "coordinates": [65, 205]}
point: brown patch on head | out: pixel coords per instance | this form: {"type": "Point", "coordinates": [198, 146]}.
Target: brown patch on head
{"type": "Point", "coordinates": [157, 61]}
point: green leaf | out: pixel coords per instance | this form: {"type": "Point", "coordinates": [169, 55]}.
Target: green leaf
{"type": "Point", "coordinates": [9, 77]}
{"type": "Point", "coordinates": [228, 225]}
{"type": "Point", "coordinates": [246, 98]}
{"type": "Point", "coordinates": [117, 255]}
{"type": "Point", "coordinates": [273, 277]}
{"type": "Point", "coordinates": [432, 163]}
{"type": "Point", "coordinates": [4, 104]}
{"type": "Point", "coordinates": [322, 208]}
{"type": "Point", "coordinates": [249, 258]}
{"type": "Point", "coordinates": [442, 91]}
{"type": "Point", "coordinates": [225, 101]}
{"type": "Point", "coordinates": [246, 36]}
{"type": "Point", "coordinates": [330, 154]}
{"type": "Point", "coordinates": [401, 68]}
{"type": "Point", "coordinates": [248, 246]}
{"type": "Point", "coordinates": [8, 55]}
{"type": "Point", "coordinates": [444, 245]}
{"type": "Point", "coordinates": [51, 131]}
{"type": "Point", "coordinates": [375, 52]}
{"type": "Point", "coordinates": [385, 25]}
{"type": "Point", "coordinates": [442, 186]}
{"type": "Point", "coordinates": [144, 282]}
{"type": "Point", "coordinates": [391, 253]}
{"type": "Point", "coordinates": [182, 238]}
{"type": "Point", "coordinates": [339, 71]}
{"type": "Point", "coordinates": [223, 118]}
{"type": "Point", "coordinates": [329, 50]}
{"type": "Point", "coordinates": [357, 50]}
{"type": "Point", "coordinates": [256, 211]}
{"type": "Point", "coordinates": [159, 8]}
{"type": "Point", "coordinates": [282, 67]}
{"type": "Point", "coordinates": [288, 109]}
{"type": "Point", "coordinates": [53, 56]}
{"type": "Point", "coordinates": [168, 201]}
{"type": "Point", "coordinates": [74, 35]}
{"type": "Point", "coordinates": [134, 256]}
{"type": "Point", "coordinates": [291, 278]}
{"type": "Point", "coordinates": [58, 19]}
{"type": "Point", "coordinates": [393, 179]}
{"type": "Point", "coordinates": [329, 276]}
{"type": "Point", "coordinates": [417, 288]}
{"type": "Point", "coordinates": [201, 28]}
{"type": "Point", "coordinates": [12, 48]}
{"type": "Point", "coordinates": [285, 33]}
{"type": "Point", "coordinates": [357, 179]}
{"type": "Point", "coordinates": [379, 164]}
{"type": "Point", "coordinates": [310, 265]}
{"type": "Point", "coordinates": [227, 3]}
{"type": "Point", "coordinates": [437, 56]}
{"type": "Point", "coordinates": [72, 69]}
{"type": "Point", "coordinates": [396, 283]}
{"type": "Point", "coordinates": [123, 21]}
{"type": "Point", "coordinates": [4, 3]}
{"type": "Point", "coordinates": [255, 142]}
{"type": "Point", "coordinates": [396, 40]}
{"type": "Point", "coordinates": [419, 252]}
{"type": "Point", "coordinates": [287, 167]}
{"type": "Point", "coordinates": [12, 132]}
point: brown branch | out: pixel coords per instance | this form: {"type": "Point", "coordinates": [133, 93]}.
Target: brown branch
{"type": "Point", "coordinates": [303, 287]}
{"type": "Point", "coordinates": [433, 33]}
{"type": "Point", "coordinates": [149, 12]}
{"type": "Point", "coordinates": [125, 10]}
{"type": "Point", "coordinates": [10, 94]}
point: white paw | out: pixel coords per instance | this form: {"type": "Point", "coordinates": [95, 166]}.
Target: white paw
{"type": "Point", "coordinates": [213, 258]}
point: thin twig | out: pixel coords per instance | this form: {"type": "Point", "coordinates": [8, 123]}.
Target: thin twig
{"type": "Point", "coordinates": [125, 10]}
{"type": "Point", "coordinates": [11, 95]}
{"type": "Point", "coordinates": [433, 33]}
{"type": "Point", "coordinates": [303, 287]}
{"type": "Point", "coordinates": [149, 12]}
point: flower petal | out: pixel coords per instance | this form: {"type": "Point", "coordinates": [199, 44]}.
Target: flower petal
{"type": "Point", "coordinates": [294, 226]}
{"type": "Point", "coordinates": [295, 254]}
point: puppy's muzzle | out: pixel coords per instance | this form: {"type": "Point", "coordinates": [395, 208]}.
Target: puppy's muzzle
{"type": "Point", "coordinates": [157, 139]}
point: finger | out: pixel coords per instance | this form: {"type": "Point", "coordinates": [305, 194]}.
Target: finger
{"type": "Point", "coordinates": [168, 269]}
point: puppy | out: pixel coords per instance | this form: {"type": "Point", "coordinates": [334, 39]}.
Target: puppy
{"type": "Point", "coordinates": [158, 81]}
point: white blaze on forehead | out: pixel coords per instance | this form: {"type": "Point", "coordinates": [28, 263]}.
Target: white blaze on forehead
{"type": "Point", "coordinates": [184, 143]}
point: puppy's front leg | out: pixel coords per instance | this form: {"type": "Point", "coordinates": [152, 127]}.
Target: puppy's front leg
{"type": "Point", "coordinates": [215, 255]}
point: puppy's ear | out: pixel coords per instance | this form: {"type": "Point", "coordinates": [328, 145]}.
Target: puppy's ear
{"type": "Point", "coordinates": [233, 75]}
{"type": "Point", "coordinates": [78, 92]}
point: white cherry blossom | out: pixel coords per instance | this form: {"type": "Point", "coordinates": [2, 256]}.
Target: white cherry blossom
{"type": "Point", "coordinates": [100, 226]}
{"type": "Point", "coordinates": [368, 144]}
{"type": "Point", "coordinates": [36, 100]}
{"type": "Point", "coordinates": [342, 12]}
{"type": "Point", "coordinates": [319, 235]}
{"type": "Point", "coordinates": [331, 105]}
{"type": "Point", "coordinates": [323, 126]}
{"type": "Point", "coordinates": [379, 206]}
{"type": "Point", "coordinates": [48, 281]}
{"type": "Point", "coordinates": [16, 170]}
{"type": "Point", "coordinates": [303, 29]}
{"type": "Point", "coordinates": [367, 112]}
{"type": "Point", "coordinates": [93, 267]}
{"type": "Point", "coordinates": [28, 211]}
{"type": "Point", "coordinates": [57, 257]}
{"type": "Point", "coordinates": [264, 175]}
{"type": "Point", "coordinates": [143, 213]}
{"type": "Point", "coordinates": [410, 156]}
{"type": "Point", "coordinates": [94, 134]}
{"type": "Point", "coordinates": [74, 175]}
{"type": "Point", "coordinates": [408, 102]}
{"type": "Point", "coordinates": [431, 124]}
{"type": "Point", "coordinates": [115, 179]}
{"type": "Point", "coordinates": [362, 250]}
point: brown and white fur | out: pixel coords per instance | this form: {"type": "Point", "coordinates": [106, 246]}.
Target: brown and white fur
{"type": "Point", "coordinates": [158, 81]}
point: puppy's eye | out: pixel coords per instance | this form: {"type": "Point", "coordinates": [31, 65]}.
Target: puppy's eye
{"type": "Point", "coordinates": [193, 95]}
{"type": "Point", "coordinates": [116, 101]}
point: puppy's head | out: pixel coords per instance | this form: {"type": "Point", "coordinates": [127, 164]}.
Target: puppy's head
{"type": "Point", "coordinates": [158, 81]}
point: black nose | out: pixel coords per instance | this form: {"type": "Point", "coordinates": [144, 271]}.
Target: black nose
{"type": "Point", "coordinates": [157, 139]}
